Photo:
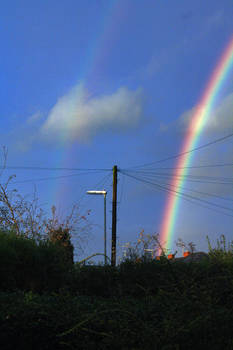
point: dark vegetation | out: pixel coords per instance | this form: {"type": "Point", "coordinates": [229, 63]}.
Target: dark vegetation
{"type": "Point", "coordinates": [49, 302]}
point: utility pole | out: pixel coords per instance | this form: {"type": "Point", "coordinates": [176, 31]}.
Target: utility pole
{"type": "Point", "coordinates": [114, 215]}
{"type": "Point", "coordinates": [105, 238]}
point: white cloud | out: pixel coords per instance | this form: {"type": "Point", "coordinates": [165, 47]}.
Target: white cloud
{"type": "Point", "coordinates": [219, 121]}
{"type": "Point", "coordinates": [76, 116]}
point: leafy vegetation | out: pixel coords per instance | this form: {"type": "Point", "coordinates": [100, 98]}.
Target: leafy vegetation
{"type": "Point", "coordinates": [29, 265]}
{"type": "Point", "coordinates": [25, 217]}
{"type": "Point", "coordinates": [48, 302]}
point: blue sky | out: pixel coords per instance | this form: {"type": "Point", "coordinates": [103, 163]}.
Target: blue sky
{"type": "Point", "coordinates": [93, 83]}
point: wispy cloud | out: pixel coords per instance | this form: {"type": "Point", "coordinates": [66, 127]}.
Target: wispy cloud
{"type": "Point", "coordinates": [76, 116]}
{"type": "Point", "coordinates": [189, 41]}
{"type": "Point", "coordinates": [34, 118]}
{"type": "Point", "coordinates": [219, 121]}
{"type": "Point", "coordinates": [25, 134]}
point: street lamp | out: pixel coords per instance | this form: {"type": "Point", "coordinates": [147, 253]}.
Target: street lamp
{"type": "Point", "coordinates": [104, 194]}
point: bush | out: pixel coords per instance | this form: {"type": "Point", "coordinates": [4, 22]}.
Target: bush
{"type": "Point", "coordinates": [137, 305]}
{"type": "Point", "coordinates": [30, 265]}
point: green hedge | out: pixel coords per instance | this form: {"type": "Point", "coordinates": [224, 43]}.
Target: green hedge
{"type": "Point", "coordinates": [46, 303]}
{"type": "Point", "coordinates": [28, 265]}
{"type": "Point", "coordinates": [168, 320]}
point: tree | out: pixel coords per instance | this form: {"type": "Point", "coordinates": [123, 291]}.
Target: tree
{"type": "Point", "coordinates": [146, 247]}
{"type": "Point", "coordinates": [25, 216]}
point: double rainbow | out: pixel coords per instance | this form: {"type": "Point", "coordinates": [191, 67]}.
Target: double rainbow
{"type": "Point", "coordinates": [197, 123]}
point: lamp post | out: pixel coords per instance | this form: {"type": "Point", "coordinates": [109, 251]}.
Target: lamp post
{"type": "Point", "coordinates": [104, 193]}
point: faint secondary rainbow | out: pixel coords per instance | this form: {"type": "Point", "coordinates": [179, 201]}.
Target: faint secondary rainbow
{"type": "Point", "coordinates": [197, 123]}
{"type": "Point", "coordinates": [96, 58]}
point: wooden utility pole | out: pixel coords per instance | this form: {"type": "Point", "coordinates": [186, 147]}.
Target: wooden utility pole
{"type": "Point", "coordinates": [114, 215]}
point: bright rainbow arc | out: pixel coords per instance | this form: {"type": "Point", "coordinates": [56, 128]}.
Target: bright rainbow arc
{"type": "Point", "coordinates": [198, 121]}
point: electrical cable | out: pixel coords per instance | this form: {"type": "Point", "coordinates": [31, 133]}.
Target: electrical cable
{"type": "Point", "coordinates": [52, 178]}
{"type": "Point", "coordinates": [193, 167]}
{"type": "Point", "coordinates": [50, 168]}
{"type": "Point", "coordinates": [186, 152]}
{"type": "Point", "coordinates": [181, 194]}
{"type": "Point", "coordinates": [191, 190]}
{"type": "Point", "coordinates": [214, 178]}
{"type": "Point", "coordinates": [189, 200]}
{"type": "Point", "coordinates": [99, 184]}
{"type": "Point", "coordinates": [187, 178]}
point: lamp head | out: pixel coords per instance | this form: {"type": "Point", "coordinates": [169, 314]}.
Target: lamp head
{"type": "Point", "coordinates": [97, 192]}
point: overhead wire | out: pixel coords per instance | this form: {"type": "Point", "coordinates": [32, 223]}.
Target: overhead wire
{"type": "Point", "coordinates": [186, 199]}
{"type": "Point", "coordinates": [183, 195]}
{"type": "Point", "coordinates": [99, 184]}
{"type": "Point", "coordinates": [52, 168]}
{"type": "Point", "coordinates": [53, 177]}
{"type": "Point", "coordinates": [193, 166]}
{"type": "Point", "coordinates": [146, 177]}
{"type": "Point", "coordinates": [186, 152]}
{"type": "Point", "coordinates": [229, 179]}
{"type": "Point", "coordinates": [191, 178]}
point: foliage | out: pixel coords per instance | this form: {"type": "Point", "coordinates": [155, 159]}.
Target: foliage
{"type": "Point", "coordinates": [47, 302]}
{"type": "Point", "coordinates": [25, 216]}
{"type": "Point", "coordinates": [191, 247]}
{"type": "Point", "coordinates": [29, 265]}
{"type": "Point", "coordinates": [62, 237]}
{"type": "Point", "coordinates": [133, 306]}
{"type": "Point", "coordinates": [146, 248]}
{"type": "Point", "coordinates": [223, 251]}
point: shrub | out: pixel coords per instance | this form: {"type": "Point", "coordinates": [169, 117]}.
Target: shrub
{"type": "Point", "coordinates": [30, 265]}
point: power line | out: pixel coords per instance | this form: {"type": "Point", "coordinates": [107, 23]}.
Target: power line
{"type": "Point", "coordinates": [190, 167]}
{"type": "Point", "coordinates": [182, 175]}
{"type": "Point", "coordinates": [50, 168]}
{"type": "Point", "coordinates": [52, 178]}
{"type": "Point", "coordinates": [105, 169]}
{"type": "Point", "coordinates": [188, 200]}
{"type": "Point", "coordinates": [193, 178]}
{"type": "Point", "coordinates": [183, 153]}
{"type": "Point", "coordinates": [189, 189]}
{"type": "Point", "coordinates": [183, 195]}
{"type": "Point", "coordinates": [97, 186]}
